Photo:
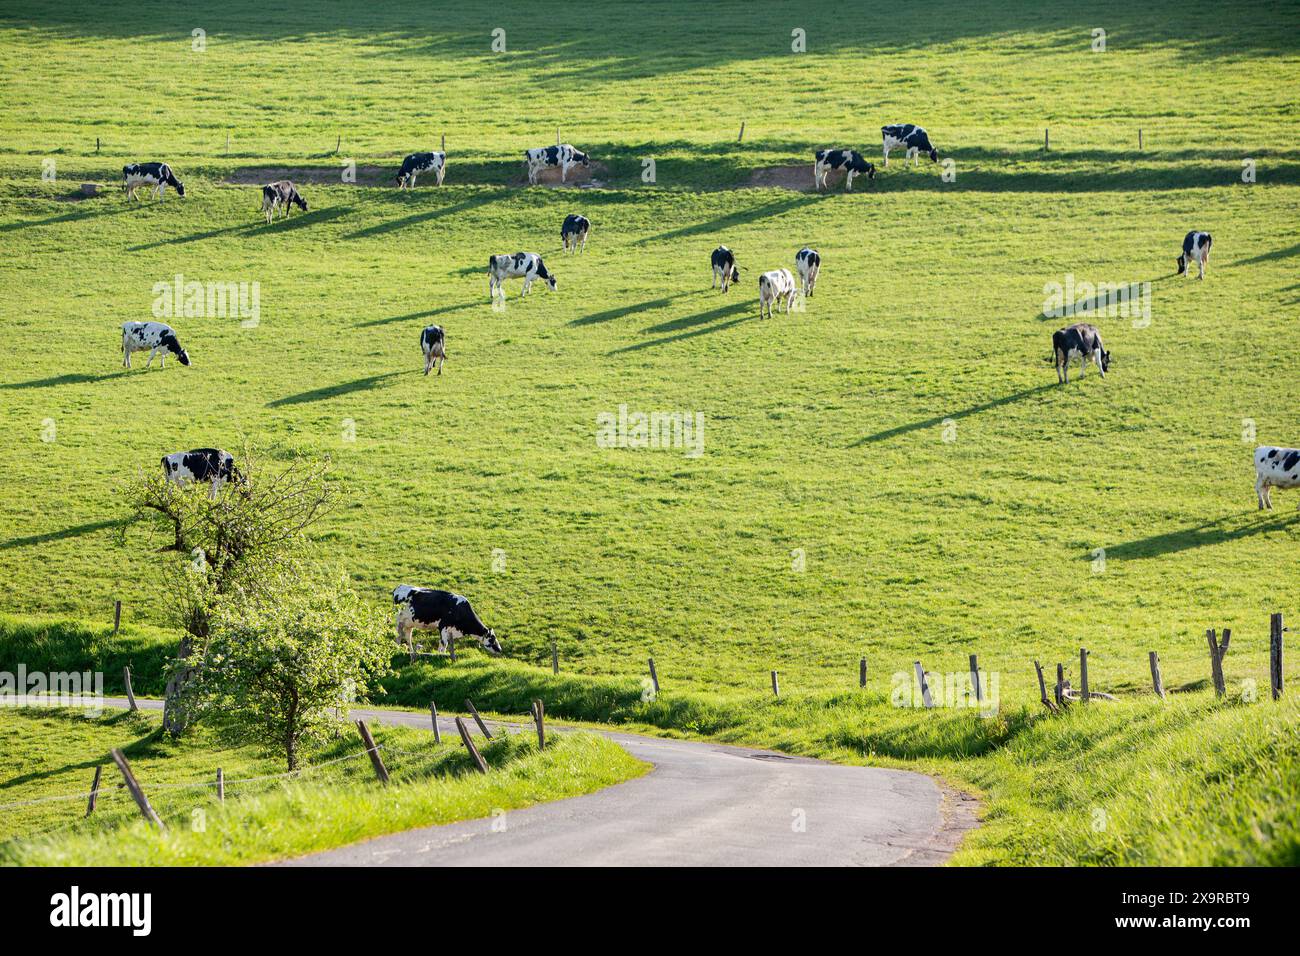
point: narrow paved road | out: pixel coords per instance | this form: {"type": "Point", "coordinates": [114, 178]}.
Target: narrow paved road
{"type": "Point", "coordinates": [704, 804]}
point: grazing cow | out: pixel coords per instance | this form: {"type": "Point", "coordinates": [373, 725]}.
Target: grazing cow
{"type": "Point", "coordinates": [835, 159]}
{"type": "Point", "coordinates": [433, 342]}
{"type": "Point", "coordinates": [281, 195]}
{"type": "Point", "coordinates": [574, 233]}
{"type": "Point", "coordinates": [1275, 468]}
{"type": "Point", "coordinates": [418, 163]}
{"type": "Point", "coordinates": [910, 137]}
{"type": "Point", "coordinates": [153, 175]}
{"type": "Point", "coordinates": [424, 609]}
{"type": "Point", "coordinates": [564, 156]}
{"type": "Point", "coordinates": [1196, 248]}
{"type": "Point", "coordinates": [154, 338]}
{"type": "Point", "coordinates": [199, 465]}
{"type": "Point", "coordinates": [1081, 341]}
{"type": "Point", "coordinates": [529, 265]}
{"type": "Point", "coordinates": [807, 263]}
{"type": "Point", "coordinates": [724, 268]}
{"type": "Point", "coordinates": [775, 287]}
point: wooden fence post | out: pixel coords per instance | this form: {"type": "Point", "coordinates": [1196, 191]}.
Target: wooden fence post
{"type": "Point", "coordinates": [925, 686]}
{"type": "Point", "coordinates": [1042, 688]}
{"type": "Point", "coordinates": [338, 143]}
{"type": "Point", "coordinates": [94, 791]}
{"type": "Point", "coordinates": [1047, 139]}
{"type": "Point", "coordinates": [1156, 682]}
{"type": "Point", "coordinates": [444, 144]}
{"type": "Point", "coordinates": [380, 770]}
{"type": "Point", "coordinates": [654, 675]}
{"type": "Point", "coordinates": [1217, 650]}
{"type": "Point", "coordinates": [1139, 139]}
{"type": "Point", "coordinates": [555, 658]}
{"type": "Point", "coordinates": [469, 745]}
{"type": "Point", "coordinates": [776, 685]}
{"type": "Point", "coordinates": [1083, 675]}
{"type": "Point", "coordinates": [742, 131]}
{"type": "Point", "coordinates": [117, 615]}
{"type": "Point", "coordinates": [433, 712]}
{"type": "Point", "coordinates": [1060, 687]}
{"type": "Point", "coordinates": [1275, 630]}
{"type": "Point", "coordinates": [539, 718]}
{"type": "Point", "coordinates": [130, 695]}
{"type": "Point", "coordinates": [862, 672]}
{"type": "Point", "coordinates": [975, 679]}
{"type": "Point", "coordinates": [97, 144]}
{"type": "Point", "coordinates": [469, 705]}
{"type": "Point", "coordinates": [137, 794]}
{"type": "Point", "coordinates": [221, 785]}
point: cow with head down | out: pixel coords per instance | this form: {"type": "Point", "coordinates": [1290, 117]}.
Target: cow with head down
{"type": "Point", "coordinates": [426, 609]}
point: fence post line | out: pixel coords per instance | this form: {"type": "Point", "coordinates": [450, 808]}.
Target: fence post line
{"type": "Point", "coordinates": [377, 761]}
{"type": "Point", "coordinates": [539, 717]}
{"type": "Point", "coordinates": [654, 675]}
{"type": "Point", "coordinates": [433, 713]}
{"type": "Point", "coordinates": [479, 762]}
{"type": "Point", "coordinates": [555, 658]}
{"type": "Point", "coordinates": [137, 794]}
{"type": "Point", "coordinates": [1216, 661]}
{"type": "Point", "coordinates": [130, 695]}
{"type": "Point", "coordinates": [1275, 629]}
{"type": "Point", "coordinates": [862, 672]}
{"type": "Point", "coordinates": [1083, 675]}
{"type": "Point", "coordinates": [469, 705]}
{"type": "Point", "coordinates": [221, 785]}
{"type": "Point", "coordinates": [776, 685]}
{"type": "Point", "coordinates": [117, 615]}
{"type": "Point", "coordinates": [1042, 688]}
{"type": "Point", "coordinates": [925, 685]}
{"type": "Point", "coordinates": [1157, 684]}
{"type": "Point", "coordinates": [94, 790]}
{"type": "Point", "coordinates": [975, 678]}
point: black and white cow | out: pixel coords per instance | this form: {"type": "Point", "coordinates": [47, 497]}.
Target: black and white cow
{"type": "Point", "coordinates": [574, 233]}
{"type": "Point", "coordinates": [418, 163]}
{"type": "Point", "coordinates": [154, 338]}
{"type": "Point", "coordinates": [776, 287]}
{"type": "Point", "coordinates": [153, 175]}
{"type": "Point", "coordinates": [434, 344]}
{"type": "Point", "coordinates": [1196, 248]}
{"type": "Point", "coordinates": [564, 156]}
{"type": "Point", "coordinates": [527, 265]}
{"type": "Point", "coordinates": [1081, 341]}
{"type": "Point", "coordinates": [1275, 468]}
{"type": "Point", "coordinates": [199, 465]}
{"type": "Point", "coordinates": [424, 609]}
{"type": "Point", "coordinates": [724, 268]}
{"type": "Point", "coordinates": [848, 160]}
{"type": "Point", "coordinates": [910, 137]}
{"type": "Point", "coordinates": [807, 263]}
{"type": "Point", "coordinates": [281, 195]}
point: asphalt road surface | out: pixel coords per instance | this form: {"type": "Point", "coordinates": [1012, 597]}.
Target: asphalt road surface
{"type": "Point", "coordinates": [703, 804]}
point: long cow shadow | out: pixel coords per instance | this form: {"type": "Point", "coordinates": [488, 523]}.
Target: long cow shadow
{"type": "Point", "coordinates": [62, 534]}
{"type": "Point", "coordinates": [261, 227]}
{"type": "Point", "coordinates": [1100, 301]}
{"type": "Point", "coordinates": [429, 214]}
{"type": "Point", "coordinates": [70, 378]}
{"type": "Point", "coordinates": [963, 413]}
{"type": "Point", "coordinates": [689, 323]}
{"type": "Point", "coordinates": [1219, 531]}
{"type": "Point", "coordinates": [610, 314]}
{"type": "Point", "coordinates": [775, 207]}
{"type": "Point", "coordinates": [333, 391]}
{"type": "Point", "coordinates": [413, 316]}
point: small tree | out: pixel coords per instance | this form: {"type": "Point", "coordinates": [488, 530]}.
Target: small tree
{"type": "Point", "coordinates": [280, 669]}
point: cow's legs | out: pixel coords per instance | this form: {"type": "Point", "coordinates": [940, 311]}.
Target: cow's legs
{"type": "Point", "coordinates": [1096, 357]}
{"type": "Point", "coordinates": [1261, 492]}
{"type": "Point", "coordinates": [152, 352]}
{"type": "Point", "coordinates": [1204, 261]}
{"type": "Point", "coordinates": [441, 358]}
{"type": "Point", "coordinates": [442, 171]}
{"type": "Point", "coordinates": [848, 182]}
{"type": "Point", "coordinates": [528, 284]}
{"type": "Point", "coordinates": [886, 151]}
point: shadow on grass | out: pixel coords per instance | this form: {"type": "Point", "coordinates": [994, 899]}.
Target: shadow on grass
{"type": "Point", "coordinates": [963, 413]}
{"type": "Point", "coordinates": [334, 391]}
{"type": "Point", "coordinates": [426, 314]}
{"type": "Point", "coordinates": [775, 207]}
{"type": "Point", "coordinates": [1098, 304]}
{"type": "Point", "coordinates": [1219, 531]}
{"type": "Point", "coordinates": [689, 322]}
{"type": "Point", "coordinates": [1286, 253]}
{"type": "Point", "coordinates": [473, 202]}
{"type": "Point", "coordinates": [71, 378]}
{"type": "Point", "coordinates": [62, 534]}
{"type": "Point", "coordinates": [261, 227]}
{"type": "Point", "coordinates": [610, 314]}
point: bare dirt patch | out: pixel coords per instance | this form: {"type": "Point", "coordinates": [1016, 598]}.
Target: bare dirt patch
{"type": "Point", "coordinates": [577, 176]}
{"type": "Point", "coordinates": [310, 175]}
{"type": "Point", "coordinates": [799, 178]}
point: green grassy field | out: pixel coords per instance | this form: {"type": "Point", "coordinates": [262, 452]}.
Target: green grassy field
{"type": "Point", "coordinates": [825, 431]}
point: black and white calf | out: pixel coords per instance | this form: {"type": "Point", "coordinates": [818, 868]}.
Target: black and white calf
{"type": "Point", "coordinates": [724, 268]}
{"type": "Point", "coordinates": [418, 163]}
{"type": "Point", "coordinates": [424, 609]}
{"type": "Point", "coordinates": [1275, 468]}
{"type": "Point", "coordinates": [527, 265]}
{"type": "Point", "coordinates": [153, 175]}
{"type": "Point", "coordinates": [807, 263]}
{"type": "Point", "coordinates": [154, 338]}
{"type": "Point", "coordinates": [434, 343]}
{"type": "Point", "coordinates": [574, 233]}
{"type": "Point", "coordinates": [775, 287]}
{"type": "Point", "coordinates": [199, 465]}
{"type": "Point", "coordinates": [1196, 248]}
{"type": "Point", "coordinates": [281, 195]}
{"type": "Point", "coordinates": [564, 156]}
{"type": "Point", "coordinates": [1081, 341]}
{"type": "Point", "coordinates": [910, 137]}
{"type": "Point", "coordinates": [848, 160]}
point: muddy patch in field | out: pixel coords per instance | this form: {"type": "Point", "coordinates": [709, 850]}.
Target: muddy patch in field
{"type": "Point", "coordinates": [310, 175]}
{"type": "Point", "coordinates": [800, 179]}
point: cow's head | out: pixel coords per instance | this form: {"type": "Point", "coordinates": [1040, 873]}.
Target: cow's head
{"type": "Point", "coordinates": [582, 159]}
{"type": "Point", "coordinates": [550, 283]}
{"type": "Point", "coordinates": [302, 203]}
{"type": "Point", "coordinates": [174, 346]}
{"type": "Point", "coordinates": [490, 642]}
{"type": "Point", "coordinates": [1105, 361]}
{"type": "Point", "coordinates": [934, 155]}
{"type": "Point", "coordinates": [735, 274]}
{"type": "Point", "coordinates": [871, 171]}
{"type": "Point", "coordinates": [1182, 264]}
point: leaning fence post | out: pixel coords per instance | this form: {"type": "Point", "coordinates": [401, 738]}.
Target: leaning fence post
{"type": "Point", "coordinates": [1275, 629]}
{"type": "Point", "coordinates": [380, 770]}
{"type": "Point", "coordinates": [117, 615]}
{"type": "Point", "coordinates": [654, 676]}
{"type": "Point", "coordinates": [539, 717]}
{"type": "Point", "coordinates": [137, 794]}
{"type": "Point", "coordinates": [862, 672]}
{"type": "Point", "coordinates": [1042, 688]}
{"type": "Point", "coordinates": [1083, 675]}
{"type": "Point", "coordinates": [742, 131]}
{"type": "Point", "coordinates": [776, 685]}
{"type": "Point", "coordinates": [433, 712]}
{"type": "Point", "coordinates": [1060, 686]}
{"type": "Point", "coordinates": [469, 705]}
{"type": "Point", "coordinates": [1156, 682]}
{"type": "Point", "coordinates": [925, 686]}
{"type": "Point", "coordinates": [1217, 651]}
{"type": "Point", "coordinates": [469, 745]}
{"type": "Point", "coordinates": [94, 791]}
{"type": "Point", "coordinates": [975, 678]}
{"type": "Point", "coordinates": [221, 785]}
{"type": "Point", "coordinates": [130, 695]}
